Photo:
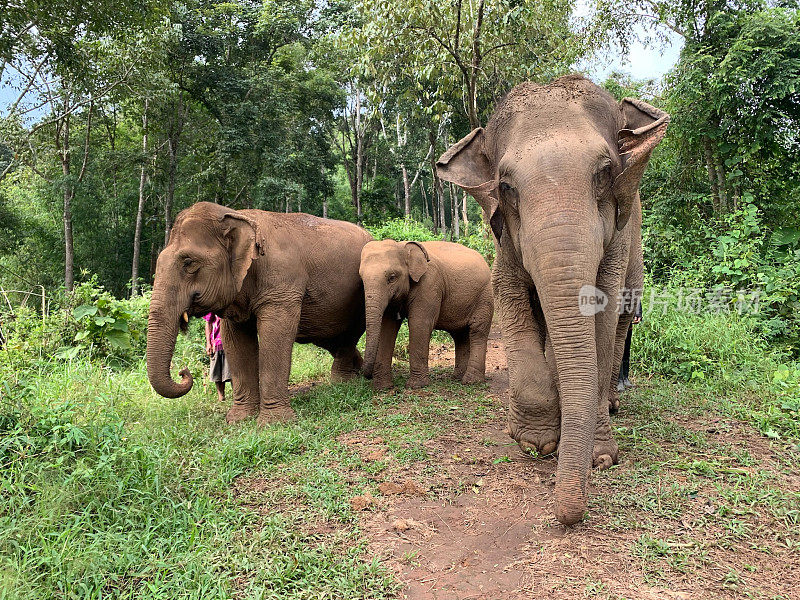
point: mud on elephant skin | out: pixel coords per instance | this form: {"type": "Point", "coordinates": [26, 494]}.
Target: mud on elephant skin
{"type": "Point", "coordinates": [557, 173]}
{"type": "Point", "coordinates": [437, 285]}
{"type": "Point", "coordinates": [276, 278]}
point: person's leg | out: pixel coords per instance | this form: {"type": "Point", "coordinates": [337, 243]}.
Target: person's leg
{"type": "Point", "coordinates": [626, 362]}
{"type": "Point", "coordinates": [220, 390]}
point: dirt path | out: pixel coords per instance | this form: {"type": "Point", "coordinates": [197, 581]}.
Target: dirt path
{"type": "Point", "coordinates": [475, 520]}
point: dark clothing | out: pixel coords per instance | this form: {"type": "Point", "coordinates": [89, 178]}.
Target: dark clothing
{"type": "Point", "coordinates": [625, 367]}
{"type": "Point", "coordinates": [218, 370]}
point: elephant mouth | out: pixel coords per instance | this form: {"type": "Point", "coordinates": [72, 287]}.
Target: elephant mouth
{"type": "Point", "coordinates": [192, 311]}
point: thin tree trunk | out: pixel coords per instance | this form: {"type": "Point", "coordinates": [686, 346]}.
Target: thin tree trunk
{"type": "Point", "coordinates": [454, 216]}
{"type": "Point", "coordinates": [325, 208]}
{"type": "Point", "coordinates": [406, 191]}
{"type": "Point", "coordinates": [723, 190]}
{"type": "Point", "coordinates": [173, 139]}
{"type": "Point", "coordinates": [137, 236]}
{"type": "Point", "coordinates": [359, 174]}
{"type": "Point", "coordinates": [712, 174]}
{"type": "Point", "coordinates": [464, 213]}
{"type": "Point", "coordinates": [425, 212]}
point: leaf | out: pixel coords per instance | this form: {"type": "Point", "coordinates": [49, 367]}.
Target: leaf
{"type": "Point", "coordinates": [68, 353]}
{"type": "Point", "coordinates": [81, 311]}
{"type": "Point", "coordinates": [786, 236]}
{"type": "Point", "coordinates": [118, 339]}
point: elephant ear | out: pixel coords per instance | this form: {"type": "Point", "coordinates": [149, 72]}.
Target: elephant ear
{"type": "Point", "coordinates": [417, 260]}
{"type": "Point", "coordinates": [644, 129]}
{"type": "Point", "coordinates": [241, 237]}
{"type": "Point", "coordinates": [466, 164]}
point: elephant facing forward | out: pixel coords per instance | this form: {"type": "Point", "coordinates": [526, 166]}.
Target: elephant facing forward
{"type": "Point", "coordinates": [437, 285]}
{"type": "Point", "coordinates": [275, 278]}
{"type": "Point", "coordinates": [557, 173]}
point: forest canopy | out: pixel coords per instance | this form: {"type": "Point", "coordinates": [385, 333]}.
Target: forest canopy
{"type": "Point", "coordinates": [117, 114]}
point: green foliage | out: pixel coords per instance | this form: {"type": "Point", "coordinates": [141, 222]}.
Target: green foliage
{"type": "Point", "coordinates": [403, 229]}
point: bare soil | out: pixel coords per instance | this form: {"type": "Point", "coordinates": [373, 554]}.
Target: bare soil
{"type": "Point", "coordinates": [475, 520]}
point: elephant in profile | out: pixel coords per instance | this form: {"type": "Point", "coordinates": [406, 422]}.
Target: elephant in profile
{"type": "Point", "coordinates": [275, 278]}
{"type": "Point", "coordinates": [557, 173]}
{"type": "Point", "coordinates": [437, 285]}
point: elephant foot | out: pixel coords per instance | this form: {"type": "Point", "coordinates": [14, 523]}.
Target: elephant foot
{"type": "Point", "coordinates": [415, 383]}
{"type": "Point", "coordinates": [542, 441]}
{"type": "Point", "coordinates": [605, 454]}
{"type": "Point", "coordinates": [471, 377]}
{"type": "Point", "coordinates": [240, 412]}
{"type": "Point", "coordinates": [613, 400]}
{"type": "Point", "coordinates": [382, 383]}
{"type": "Point", "coordinates": [458, 374]}
{"type": "Point", "coordinates": [340, 376]}
{"type": "Point", "coordinates": [280, 414]}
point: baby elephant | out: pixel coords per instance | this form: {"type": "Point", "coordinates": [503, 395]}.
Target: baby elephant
{"type": "Point", "coordinates": [437, 285]}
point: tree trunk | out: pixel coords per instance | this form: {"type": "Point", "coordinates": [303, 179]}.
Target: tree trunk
{"type": "Point", "coordinates": [62, 145]}
{"type": "Point", "coordinates": [406, 191]}
{"type": "Point", "coordinates": [325, 208]}
{"type": "Point", "coordinates": [464, 213]}
{"type": "Point", "coordinates": [173, 138]}
{"type": "Point", "coordinates": [454, 216]}
{"type": "Point", "coordinates": [712, 174]}
{"type": "Point", "coordinates": [425, 212]}
{"type": "Point", "coordinates": [359, 175]}
{"type": "Point", "coordinates": [721, 185]}
{"type": "Point", "coordinates": [137, 236]}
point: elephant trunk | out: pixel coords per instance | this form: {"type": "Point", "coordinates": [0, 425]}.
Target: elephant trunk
{"type": "Point", "coordinates": [376, 304]}
{"type": "Point", "coordinates": [560, 276]}
{"type": "Point", "coordinates": [162, 331]}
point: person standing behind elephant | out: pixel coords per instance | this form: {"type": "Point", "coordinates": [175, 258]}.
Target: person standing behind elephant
{"type": "Point", "coordinates": [623, 381]}
{"type": "Point", "coordinates": [437, 285]}
{"type": "Point", "coordinates": [218, 370]}
{"type": "Point", "coordinates": [557, 173]}
{"type": "Point", "coordinates": [276, 279]}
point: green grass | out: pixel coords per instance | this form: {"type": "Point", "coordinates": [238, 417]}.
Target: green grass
{"type": "Point", "coordinates": [107, 490]}
{"type": "Point", "coordinates": [110, 491]}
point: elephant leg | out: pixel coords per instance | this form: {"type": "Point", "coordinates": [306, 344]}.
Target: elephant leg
{"type": "Point", "coordinates": [382, 373]}
{"type": "Point", "coordinates": [534, 416]}
{"type": "Point", "coordinates": [420, 328]}
{"type": "Point", "coordinates": [461, 339]}
{"type": "Point", "coordinates": [478, 338]}
{"type": "Point", "coordinates": [277, 331]}
{"type": "Point", "coordinates": [346, 363]}
{"type": "Point", "coordinates": [608, 324]}
{"type": "Point", "coordinates": [241, 351]}
{"type": "Point", "coordinates": [625, 320]}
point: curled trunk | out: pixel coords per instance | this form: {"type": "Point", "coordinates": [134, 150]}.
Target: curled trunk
{"type": "Point", "coordinates": [162, 331]}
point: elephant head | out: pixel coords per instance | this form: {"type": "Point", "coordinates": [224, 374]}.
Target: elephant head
{"type": "Point", "coordinates": [557, 173]}
{"type": "Point", "coordinates": [388, 270]}
{"type": "Point", "coordinates": [201, 270]}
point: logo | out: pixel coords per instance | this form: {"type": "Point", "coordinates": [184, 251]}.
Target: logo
{"type": "Point", "coordinates": [591, 300]}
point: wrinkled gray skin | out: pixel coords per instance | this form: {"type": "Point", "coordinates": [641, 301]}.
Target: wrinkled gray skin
{"type": "Point", "coordinates": [557, 172]}
{"type": "Point", "coordinates": [437, 285]}
{"type": "Point", "coordinates": [276, 278]}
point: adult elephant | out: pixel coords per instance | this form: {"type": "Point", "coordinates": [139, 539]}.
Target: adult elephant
{"type": "Point", "coordinates": [275, 278]}
{"type": "Point", "coordinates": [557, 172]}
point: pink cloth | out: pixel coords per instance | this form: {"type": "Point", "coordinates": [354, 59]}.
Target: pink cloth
{"type": "Point", "coordinates": [216, 335]}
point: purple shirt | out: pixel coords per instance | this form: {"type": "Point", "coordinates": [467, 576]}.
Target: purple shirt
{"type": "Point", "coordinates": [216, 337]}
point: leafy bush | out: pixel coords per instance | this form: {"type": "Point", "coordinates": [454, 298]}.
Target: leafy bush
{"type": "Point", "coordinates": [403, 229]}
{"type": "Point", "coordinates": [409, 229]}
{"type": "Point", "coordinates": [89, 320]}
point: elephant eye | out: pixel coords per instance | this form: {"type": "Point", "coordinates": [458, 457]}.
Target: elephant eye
{"type": "Point", "coordinates": [505, 188]}
{"type": "Point", "coordinates": [392, 277]}
{"type": "Point", "coordinates": [602, 179]}
{"type": "Point", "coordinates": [190, 265]}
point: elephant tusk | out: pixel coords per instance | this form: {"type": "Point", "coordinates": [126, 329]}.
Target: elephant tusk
{"type": "Point", "coordinates": [185, 316]}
